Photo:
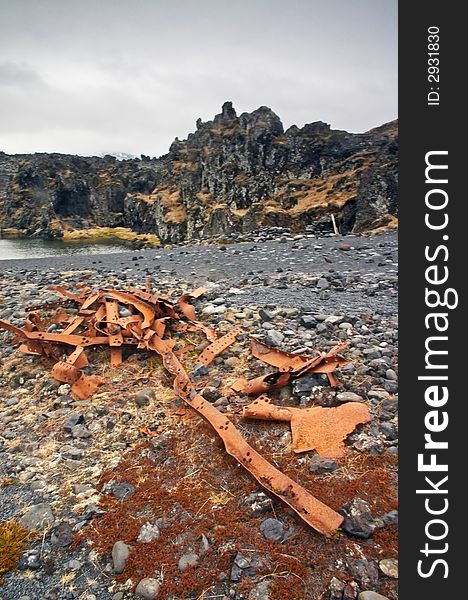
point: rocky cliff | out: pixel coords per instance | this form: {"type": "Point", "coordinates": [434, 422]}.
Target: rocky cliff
{"type": "Point", "coordinates": [234, 173]}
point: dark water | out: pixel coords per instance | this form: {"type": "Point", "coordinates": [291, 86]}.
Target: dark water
{"type": "Point", "coordinates": [15, 248]}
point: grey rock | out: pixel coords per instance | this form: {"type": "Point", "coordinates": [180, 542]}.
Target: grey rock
{"type": "Point", "coordinates": [38, 486]}
{"type": "Point", "coordinates": [371, 596]}
{"type": "Point", "coordinates": [323, 284]}
{"type": "Point", "coordinates": [37, 517]}
{"type": "Point", "coordinates": [72, 421]}
{"type": "Point", "coordinates": [320, 465]}
{"type": "Point", "coordinates": [389, 431]}
{"type": "Point", "coordinates": [120, 554]}
{"type": "Point", "coordinates": [265, 315]}
{"type": "Point", "coordinates": [349, 397]}
{"type": "Point", "coordinates": [368, 443]}
{"type": "Point", "coordinates": [260, 591]}
{"type": "Point", "coordinates": [365, 571]}
{"type": "Point", "coordinates": [122, 490]}
{"type": "Point", "coordinates": [308, 321]}
{"type": "Point", "coordinates": [80, 431]}
{"type": "Point", "coordinates": [144, 397]}
{"type": "Point", "coordinates": [72, 453]}
{"type": "Point", "coordinates": [62, 535]}
{"type": "Point", "coordinates": [30, 559]}
{"type": "Point", "coordinates": [306, 384]}
{"type": "Point", "coordinates": [390, 518]}
{"type": "Point", "coordinates": [258, 503]}
{"type": "Point", "coordinates": [148, 533]}
{"type": "Point", "coordinates": [274, 338]}
{"type": "Point", "coordinates": [74, 564]}
{"type": "Point", "coordinates": [199, 370]}
{"type": "Point", "coordinates": [388, 408]}
{"type": "Point", "coordinates": [336, 589]}
{"type": "Point", "coordinates": [358, 519]}
{"type": "Point", "coordinates": [188, 560]}
{"type": "Point", "coordinates": [333, 319]}
{"type": "Point", "coordinates": [232, 362]}
{"type": "Point", "coordinates": [242, 567]}
{"type": "Point", "coordinates": [272, 529]}
{"type": "Point", "coordinates": [389, 567]}
{"type": "Point", "coordinates": [148, 589]}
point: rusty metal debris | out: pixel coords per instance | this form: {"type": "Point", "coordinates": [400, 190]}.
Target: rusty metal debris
{"type": "Point", "coordinates": [317, 428]}
{"type": "Point", "coordinates": [140, 320]}
{"type": "Point", "coordinates": [290, 367]}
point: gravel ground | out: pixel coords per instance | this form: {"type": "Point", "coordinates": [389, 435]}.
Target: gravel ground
{"type": "Point", "coordinates": [269, 272]}
{"type": "Point", "coordinates": [60, 459]}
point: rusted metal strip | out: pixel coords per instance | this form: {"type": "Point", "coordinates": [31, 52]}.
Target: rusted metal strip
{"type": "Point", "coordinates": [66, 373]}
{"type": "Point", "coordinates": [187, 309]}
{"type": "Point", "coordinates": [66, 293]}
{"type": "Point", "coordinates": [13, 329]}
{"type": "Point", "coordinates": [197, 292]}
{"type": "Point", "coordinates": [71, 340]}
{"type": "Point", "coordinates": [219, 346]}
{"type": "Point", "coordinates": [112, 311]}
{"type": "Point", "coordinates": [210, 333]}
{"type": "Point", "coordinates": [34, 348]}
{"type": "Point", "coordinates": [115, 356]}
{"type": "Point", "coordinates": [318, 515]}
{"type": "Point", "coordinates": [50, 305]}
{"type": "Point", "coordinates": [78, 358]}
{"type": "Point", "coordinates": [73, 325]}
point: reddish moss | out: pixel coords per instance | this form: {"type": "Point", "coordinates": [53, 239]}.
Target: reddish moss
{"type": "Point", "coordinates": [189, 481]}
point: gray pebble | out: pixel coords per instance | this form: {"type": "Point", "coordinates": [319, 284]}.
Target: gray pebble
{"type": "Point", "coordinates": [37, 517]}
{"type": "Point", "coordinates": [272, 529]}
{"type": "Point", "coordinates": [188, 560]}
{"type": "Point", "coordinates": [148, 589]}
{"type": "Point", "coordinates": [120, 554]}
{"type": "Point", "coordinates": [144, 397]}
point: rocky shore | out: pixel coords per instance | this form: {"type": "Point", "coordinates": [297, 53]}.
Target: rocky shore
{"type": "Point", "coordinates": [130, 495]}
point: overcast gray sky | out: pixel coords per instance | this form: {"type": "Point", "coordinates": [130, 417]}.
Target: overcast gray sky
{"type": "Point", "coordinates": [94, 76]}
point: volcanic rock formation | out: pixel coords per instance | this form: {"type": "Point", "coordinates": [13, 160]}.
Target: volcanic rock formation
{"type": "Point", "coordinates": [234, 173]}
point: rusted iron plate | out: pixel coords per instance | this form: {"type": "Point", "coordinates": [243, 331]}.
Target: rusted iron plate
{"type": "Point", "coordinates": [85, 387]}
{"type": "Point", "coordinates": [321, 429]}
{"type": "Point", "coordinates": [153, 317]}
{"type": "Point", "coordinates": [187, 309]}
{"type": "Point", "coordinates": [66, 373]}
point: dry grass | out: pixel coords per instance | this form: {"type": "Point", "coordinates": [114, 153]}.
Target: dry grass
{"type": "Point", "coordinates": [109, 233]}
{"type": "Point", "coordinates": [13, 539]}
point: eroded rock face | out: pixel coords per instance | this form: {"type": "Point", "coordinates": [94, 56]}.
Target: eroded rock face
{"type": "Point", "coordinates": [234, 173]}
